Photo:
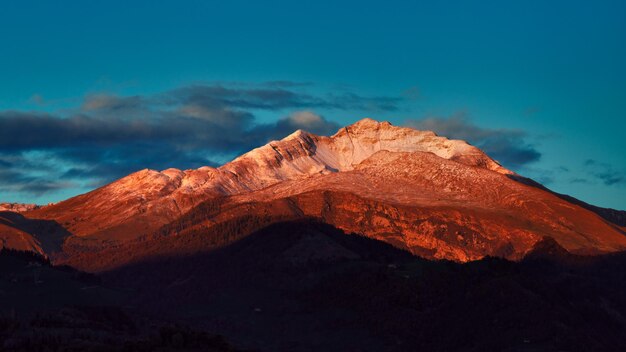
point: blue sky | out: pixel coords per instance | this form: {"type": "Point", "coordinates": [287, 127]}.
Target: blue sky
{"type": "Point", "coordinates": [92, 91]}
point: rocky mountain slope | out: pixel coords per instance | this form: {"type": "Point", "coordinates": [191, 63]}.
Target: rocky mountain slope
{"type": "Point", "coordinates": [435, 197]}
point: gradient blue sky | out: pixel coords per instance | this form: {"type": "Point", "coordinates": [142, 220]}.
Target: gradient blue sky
{"type": "Point", "coordinates": [541, 84]}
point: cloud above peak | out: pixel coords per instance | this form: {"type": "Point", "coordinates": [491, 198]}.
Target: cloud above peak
{"type": "Point", "coordinates": [310, 122]}
{"type": "Point", "coordinates": [508, 146]}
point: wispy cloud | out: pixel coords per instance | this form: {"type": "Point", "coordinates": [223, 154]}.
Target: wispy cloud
{"type": "Point", "coordinates": [37, 99]}
{"type": "Point", "coordinates": [273, 98]}
{"type": "Point", "coordinates": [579, 180]}
{"type": "Point", "coordinates": [605, 173]}
{"type": "Point", "coordinates": [18, 174]}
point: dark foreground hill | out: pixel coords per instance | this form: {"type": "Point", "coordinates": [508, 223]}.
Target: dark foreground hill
{"type": "Point", "coordinates": [306, 286]}
{"type": "Point", "coordinates": [47, 308]}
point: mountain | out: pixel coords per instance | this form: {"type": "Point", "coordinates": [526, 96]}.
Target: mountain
{"type": "Point", "coordinates": [432, 196]}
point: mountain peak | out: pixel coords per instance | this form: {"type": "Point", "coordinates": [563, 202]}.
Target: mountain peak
{"type": "Point", "coordinates": [368, 122]}
{"type": "Point", "coordinates": [297, 134]}
{"type": "Point", "coordinates": [384, 130]}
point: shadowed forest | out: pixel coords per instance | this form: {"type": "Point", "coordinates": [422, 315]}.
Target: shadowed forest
{"type": "Point", "coordinates": [305, 286]}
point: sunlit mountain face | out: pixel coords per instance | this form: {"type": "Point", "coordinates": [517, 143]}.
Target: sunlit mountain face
{"type": "Point", "coordinates": [288, 176]}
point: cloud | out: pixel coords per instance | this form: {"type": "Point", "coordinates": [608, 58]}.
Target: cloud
{"type": "Point", "coordinates": [211, 117]}
{"type": "Point", "coordinates": [104, 149]}
{"type": "Point", "coordinates": [111, 103]}
{"type": "Point", "coordinates": [286, 84]}
{"type": "Point", "coordinates": [532, 110]}
{"type": "Point", "coordinates": [611, 177]}
{"type": "Point", "coordinates": [412, 93]}
{"type": "Point", "coordinates": [299, 120]}
{"type": "Point", "coordinates": [508, 146]}
{"type": "Point", "coordinates": [102, 165]}
{"type": "Point", "coordinates": [274, 98]}
{"type": "Point", "coordinates": [15, 177]}
{"type": "Point", "coordinates": [30, 131]}
{"type": "Point", "coordinates": [37, 99]}
{"type": "Point", "coordinates": [605, 172]}
{"type": "Point", "coordinates": [308, 121]}
{"type": "Point", "coordinates": [5, 163]}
